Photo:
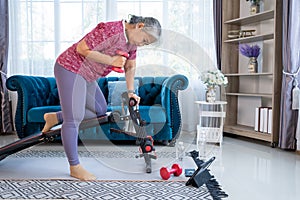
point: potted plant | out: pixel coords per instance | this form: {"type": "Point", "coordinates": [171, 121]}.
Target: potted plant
{"type": "Point", "coordinates": [252, 52]}
{"type": "Point", "coordinates": [211, 80]}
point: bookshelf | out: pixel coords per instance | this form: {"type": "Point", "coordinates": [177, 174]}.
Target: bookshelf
{"type": "Point", "coordinates": [246, 91]}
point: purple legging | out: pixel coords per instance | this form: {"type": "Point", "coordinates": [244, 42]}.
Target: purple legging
{"type": "Point", "coordinates": [79, 100]}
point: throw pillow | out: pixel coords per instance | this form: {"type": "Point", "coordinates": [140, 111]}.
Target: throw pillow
{"type": "Point", "coordinates": [115, 90]}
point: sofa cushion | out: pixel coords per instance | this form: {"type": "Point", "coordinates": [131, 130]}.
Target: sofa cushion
{"type": "Point", "coordinates": [151, 114]}
{"type": "Point", "coordinates": [150, 90]}
{"type": "Point", "coordinates": [53, 98]}
{"type": "Point", "coordinates": [36, 114]}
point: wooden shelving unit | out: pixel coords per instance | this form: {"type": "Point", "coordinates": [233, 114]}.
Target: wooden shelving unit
{"type": "Point", "coordinates": [232, 20]}
{"type": "Point", "coordinates": [248, 94]}
{"type": "Point", "coordinates": [251, 38]}
{"type": "Point", "coordinates": [250, 74]}
{"type": "Point", "coordinates": [247, 131]}
{"type": "Point", "coordinates": [252, 19]}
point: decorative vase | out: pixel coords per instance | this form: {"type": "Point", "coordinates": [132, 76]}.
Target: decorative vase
{"type": "Point", "coordinates": [252, 65]}
{"type": "Point", "coordinates": [254, 8]}
{"type": "Point", "coordinates": [211, 94]}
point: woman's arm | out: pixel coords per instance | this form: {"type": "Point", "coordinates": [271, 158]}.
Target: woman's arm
{"type": "Point", "coordinates": [84, 50]}
{"type": "Point", "coordinates": [129, 76]}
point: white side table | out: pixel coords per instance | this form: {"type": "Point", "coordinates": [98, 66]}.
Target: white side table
{"type": "Point", "coordinates": [211, 121]}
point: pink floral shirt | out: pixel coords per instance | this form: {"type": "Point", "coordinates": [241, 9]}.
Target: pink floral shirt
{"type": "Point", "coordinates": [106, 38]}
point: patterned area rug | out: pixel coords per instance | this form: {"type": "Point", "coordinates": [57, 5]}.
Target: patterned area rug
{"type": "Point", "coordinates": [108, 153]}
{"type": "Point", "coordinates": [103, 189]}
{"type": "Point", "coordinates": [67, 189]}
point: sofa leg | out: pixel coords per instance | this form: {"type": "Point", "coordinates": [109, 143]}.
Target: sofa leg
{"type": "Point", "coordinates": [172, 142]}
{"type": "Point", "coordinates": [164, 142]}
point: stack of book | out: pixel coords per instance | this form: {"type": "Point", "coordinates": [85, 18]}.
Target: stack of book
{"type": "Point", "coordinates": [263, 119]}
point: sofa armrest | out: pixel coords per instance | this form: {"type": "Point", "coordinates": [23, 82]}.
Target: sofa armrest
{"type": "Point", "coordinates": [169, 100]}
{"type": "Point", "coordinates": [32, 92]}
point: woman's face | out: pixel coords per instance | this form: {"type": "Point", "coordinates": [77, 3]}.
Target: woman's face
{"type": "Point", "coordinates": [137, 36]}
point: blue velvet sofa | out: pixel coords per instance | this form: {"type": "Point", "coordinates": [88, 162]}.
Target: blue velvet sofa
{"type": "Point", "coordinates": [158, 107]}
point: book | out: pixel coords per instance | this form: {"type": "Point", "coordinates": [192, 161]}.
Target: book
{"type": "Point", "coordinates": [256, 122]}
{"type": "Point", "coordinates": [263, 119]}
{"type": "Point", "coordinates": [270, 119]}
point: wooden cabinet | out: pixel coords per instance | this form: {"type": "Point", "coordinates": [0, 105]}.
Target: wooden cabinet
{"type": "Point", "coordinates": [245, 90]}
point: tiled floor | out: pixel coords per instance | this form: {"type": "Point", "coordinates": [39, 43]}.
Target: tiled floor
{"type": "Point", "coordinates": [246, 170]}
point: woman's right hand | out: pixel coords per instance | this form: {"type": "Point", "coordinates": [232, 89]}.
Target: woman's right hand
{"type": "Point", "coordinates": [118, 61]}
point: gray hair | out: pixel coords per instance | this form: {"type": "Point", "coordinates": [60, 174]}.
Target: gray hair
{"type": "Point", "coordinates": [151, 25]}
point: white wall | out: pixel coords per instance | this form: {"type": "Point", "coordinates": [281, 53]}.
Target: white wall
{"type": "Point", "coordinates": [189, 110]}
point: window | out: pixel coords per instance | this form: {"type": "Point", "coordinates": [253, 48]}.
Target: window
{"type": "Point", "coordinates": [41, 29]}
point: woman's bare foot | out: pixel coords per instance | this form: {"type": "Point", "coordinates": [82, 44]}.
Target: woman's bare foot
{"type": "Point", "coordinates": [77, 171]}
{"type": "Point", "coordinates": [51, 120]}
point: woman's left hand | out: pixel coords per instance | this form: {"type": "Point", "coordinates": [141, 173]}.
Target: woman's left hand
{"type": "Point", "coordinates": [136, 97]}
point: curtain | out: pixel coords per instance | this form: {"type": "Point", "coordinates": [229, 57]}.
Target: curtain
{"type": "Point", "coordinates": [291, 64]}
{"type": "Point", "coordinates": [41, 30]}
{"type": "Point", "coordinates": [5, 118]}
{"type": "Point", "coordinates": [217, 13]}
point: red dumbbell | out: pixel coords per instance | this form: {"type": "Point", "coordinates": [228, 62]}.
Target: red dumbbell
{"type": "Point", "coordinates": [165, 173]}
{"type": "Point", "coordinates": [121, 53]}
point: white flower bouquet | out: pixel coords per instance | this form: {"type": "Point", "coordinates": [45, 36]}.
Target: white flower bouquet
{"type": "Point", "coordinates": [214, 78]}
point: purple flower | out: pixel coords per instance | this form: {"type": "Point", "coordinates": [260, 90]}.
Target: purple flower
{"type": "Point", "coordinates": [249, 51]}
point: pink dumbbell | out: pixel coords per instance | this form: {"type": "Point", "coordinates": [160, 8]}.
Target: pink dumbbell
{"type": "Point", "coordinates": [121, 53]}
